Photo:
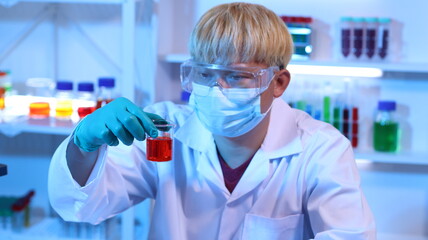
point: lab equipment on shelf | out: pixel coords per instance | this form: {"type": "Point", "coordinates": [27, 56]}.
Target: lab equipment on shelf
{"type": "Point", "coordinates": [346, 36]}
{"type": "Point", "coordinates": [333, 102]}
{"type": "Point", "coordinates": [301, 31]}
{"type": "Point", "coordinates": [15, 212]}
{"type": "Point", "coordinates": [383, 37]}
{"type": "Point", "coordinates": [160, 148]}
{"type": "Point", "coordinates": [2, 97]}
{"type": "Point", "coordinates": [5, 87]}
{"type": "Point", "coordinates": [358, 37]}
{"type": "Point", "coordinates": [370, 37]}
{"type": "Point", "coordinates": [105, 91]}
{"type": "Point", "coordinates": [364, 38]}
{"type": "Point", "coordinates": [64, 100]}
{"type": "Point", "coordinates": [39, 110]}
{"type": "Point", "coordinates": [386, 135]}
{"type": "Point", "coordinates": [86, 102]}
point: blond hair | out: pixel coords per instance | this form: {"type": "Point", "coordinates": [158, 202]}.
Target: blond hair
{"type": "Point", "coordinates": [241, 33]}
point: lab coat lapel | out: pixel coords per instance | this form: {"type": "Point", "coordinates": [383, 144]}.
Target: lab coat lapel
{"type": "Point", "coordinates": [281, 140]}
{"type": "Point", "coordinates": [195, 136]}
{"type": "Point", "coordinates": [254, 175]}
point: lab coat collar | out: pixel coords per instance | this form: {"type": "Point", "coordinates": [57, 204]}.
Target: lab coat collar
{"type": "Point", "coordinates": [194, 135]}
{"type": "Point", "coordinates": [281, 140]}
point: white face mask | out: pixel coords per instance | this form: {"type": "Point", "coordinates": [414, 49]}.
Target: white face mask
{"type": "Point", "coordinates": [229, 116]}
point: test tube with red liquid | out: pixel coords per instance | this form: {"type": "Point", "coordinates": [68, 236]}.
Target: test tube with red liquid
{"type": "Point", "coordinates": [160, 148]}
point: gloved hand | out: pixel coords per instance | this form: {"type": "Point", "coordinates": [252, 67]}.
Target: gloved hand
{"type": "Point", "coordinates": [119, 120]}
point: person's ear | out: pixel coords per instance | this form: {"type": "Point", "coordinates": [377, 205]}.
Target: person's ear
{"type": "Point", "coordinates": [281, 82]}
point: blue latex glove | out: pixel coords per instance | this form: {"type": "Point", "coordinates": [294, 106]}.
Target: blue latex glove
{"type": "Point", "coordinates": [119, 120]}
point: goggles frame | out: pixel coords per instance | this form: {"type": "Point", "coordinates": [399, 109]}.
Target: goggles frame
{"type": "Point", "coordinates": [236, 76]}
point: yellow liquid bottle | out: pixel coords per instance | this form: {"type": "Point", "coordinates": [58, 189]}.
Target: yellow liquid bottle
{"type": "Point", "coordinates": [64, 102]}
{"type": "Point", "coordinates": [64, 109]}
{"type": "Point", "coordinates": [2, 93]}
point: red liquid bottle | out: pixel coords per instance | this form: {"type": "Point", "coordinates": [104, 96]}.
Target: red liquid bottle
{"type": "Point", "coordinates": [355, 117]}
{"type": "Point", "coordinates": [84, 111]}
{"type": "Point", "coordinates": [105, 91]}
{"type": "Point", "coordinates": [159, 149]}
{"type": "Point", "coordinates": [86, 97]}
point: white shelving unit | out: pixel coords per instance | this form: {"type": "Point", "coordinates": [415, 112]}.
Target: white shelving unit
{"type": "Point", "coordinates": [127, 70]}
{"type": "Point", "coordinates": [384, 66]}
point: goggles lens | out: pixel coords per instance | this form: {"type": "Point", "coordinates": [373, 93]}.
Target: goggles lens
{"type": "Point", "coordinates": [211, 75]}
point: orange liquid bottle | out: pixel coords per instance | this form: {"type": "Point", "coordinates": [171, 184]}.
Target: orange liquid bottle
{"type": "Point", "coordinates": [39, 110]}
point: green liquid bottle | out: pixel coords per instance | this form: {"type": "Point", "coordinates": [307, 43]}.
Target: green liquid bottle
{"type": "Point", "coordinates": [386, 128]}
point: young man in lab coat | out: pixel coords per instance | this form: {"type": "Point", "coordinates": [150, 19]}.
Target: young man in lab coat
{"type": "Point", "coordinates": [245, 165]}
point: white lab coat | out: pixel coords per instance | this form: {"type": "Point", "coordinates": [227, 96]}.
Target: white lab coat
{"type": "Point", "coordinates": [302, 183]}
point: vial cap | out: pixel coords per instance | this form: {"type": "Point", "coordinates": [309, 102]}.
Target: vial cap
{"type": "Point", "coordinates": [106, 82]}
{"type": "Point", "coordinates": [358, 19]}
{"type": "Point", "coordinates": [384, 20]}
{"type": "Point", "coordinates": [386, 105]}
{"type": "Point", "coordinates": [346, 19]}
{"type": "Point", "coordinates": [85, 87]}
{"type": "Point", "coordinates": [64, 85]}
{"type": "Point", "coordinates": [371, 19]}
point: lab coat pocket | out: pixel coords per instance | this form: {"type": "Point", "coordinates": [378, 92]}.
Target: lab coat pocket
{"type": "Point", "coordinates": [258, 227]}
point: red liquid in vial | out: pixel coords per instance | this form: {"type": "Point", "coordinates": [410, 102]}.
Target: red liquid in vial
{"type": "Point", "coordinates": [159, 149]}
{"type": "Point", "coordinates": [102, 102]}
{"type": "Point", "coordinates": [83, 111]}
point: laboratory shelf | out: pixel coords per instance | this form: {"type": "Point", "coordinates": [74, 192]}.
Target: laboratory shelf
{"type": "Point", "coordinates": [411, 158]}
{"type": "Point", "coordinates": [24, 124]}
{"type": "Point", "coordinates": [384, 66]}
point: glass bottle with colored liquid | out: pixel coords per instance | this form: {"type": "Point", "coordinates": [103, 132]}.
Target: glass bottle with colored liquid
{"type": "Point", "coordinates": [386, 128]}
{"type": "Point", "coordinates": [105, 91]}
{"type": "Point", "coordinates": [358, 37]}
{"type": "Point", "coordinates": [346, 36]}
{"type": "Point", "coordinates": [160, 148]}
{"type": "Point", "coordinates": [85, 99]}
{"type": "Point", "coordinates": [370, 39]}
{"type": "Point", "coordinates": [383, 37]}
{"type": "Point", "coordinates": [64, 100]}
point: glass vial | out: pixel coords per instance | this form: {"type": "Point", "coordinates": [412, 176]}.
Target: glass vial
{"type": "Point", "coordinates": [85, 99]}
{"type": "Point", "coordinates": [345, 35]}
{"type": "Point", "coordinates": [371, 29]}
{"type": "Point", "coordinates": [358, 36]}
{"type": "Point", "coordinates": [105, 91]}
{"type": "Point", "coordinates": [64, 100]}
{"type": "Point", "coordinates": [386, 128]}
{"type": "Point", "coordinates": [383, 37]}
{"type": "Point", "coordinates": [160, 149]}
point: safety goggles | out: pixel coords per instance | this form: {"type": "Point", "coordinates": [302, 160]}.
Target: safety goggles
{"type": "Point", "coordinates": [225, 77]}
